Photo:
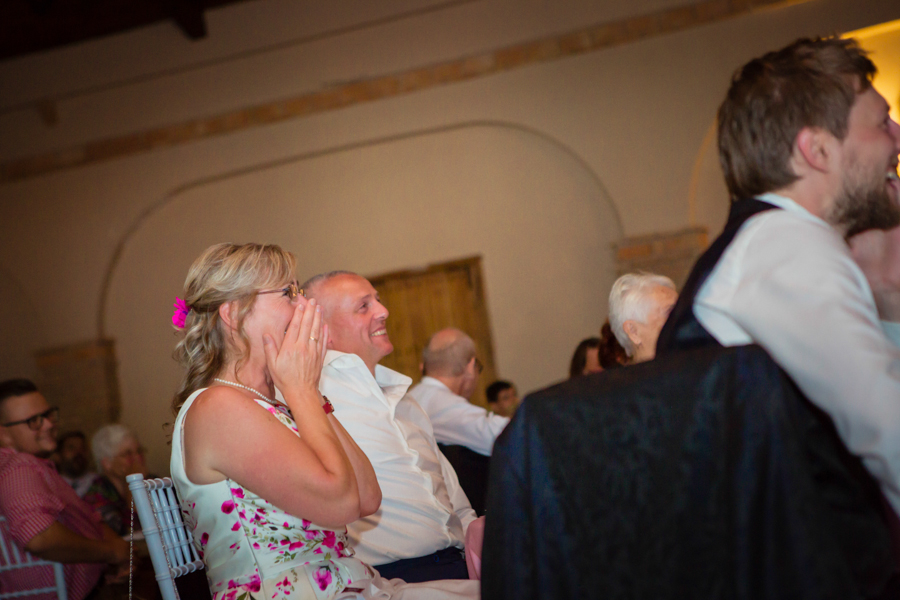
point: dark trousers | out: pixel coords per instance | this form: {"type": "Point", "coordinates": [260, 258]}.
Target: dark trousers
{"type": "Point", "coordinates": [449, 563]}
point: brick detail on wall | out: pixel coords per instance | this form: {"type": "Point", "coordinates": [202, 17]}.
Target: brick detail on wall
{"type": "Point", "coordinates": [589, 39]}
{"type": "Point", "coordinates": [82, 380]}
{"type": "Point", "coordinates": [671, 254]}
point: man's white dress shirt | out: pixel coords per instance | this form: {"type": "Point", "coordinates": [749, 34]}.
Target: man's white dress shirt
{"type": "Point", "coordinates": [423, 508]}
{"type": "Point", "coordinates": [455, 420]}
{"type": "Point", "coordinates": [788, 283]}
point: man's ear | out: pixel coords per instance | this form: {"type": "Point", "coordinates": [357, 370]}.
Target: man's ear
{"type": "Point", "coordinates": [813, 149]}
{"type": "Point", "coordinates": [631, 330]}
{"type": "Point", "coordinates": [5, 438]}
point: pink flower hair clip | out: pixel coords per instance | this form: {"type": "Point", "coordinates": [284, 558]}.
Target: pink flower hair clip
{"type": "Point", "coordinates": [181, 312]}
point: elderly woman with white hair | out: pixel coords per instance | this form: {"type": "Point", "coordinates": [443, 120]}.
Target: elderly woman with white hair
{"type": "Point", "coordinates": [639, 304]}
{"type": "Point", "coordinates": [117, 453]}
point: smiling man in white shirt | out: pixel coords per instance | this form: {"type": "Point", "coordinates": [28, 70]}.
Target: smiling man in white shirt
{"type": "Point", "coordinates": [804, 131]}
{"type": "Point", "coordinates": [418, 534]}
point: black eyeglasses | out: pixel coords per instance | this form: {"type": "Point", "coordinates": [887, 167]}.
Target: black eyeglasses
{"type": "Point", "coordinates": [37, 421]}
{"type": "Point", "coordinates": [291, 291]}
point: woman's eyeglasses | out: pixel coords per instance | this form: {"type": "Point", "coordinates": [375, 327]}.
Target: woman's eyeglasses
{"type": "Point", "coordinates": [132, 453]}
{"type": "Point", "coordinates": [291, 291]}
{"type": "Point", "coordinates": [37, 421]}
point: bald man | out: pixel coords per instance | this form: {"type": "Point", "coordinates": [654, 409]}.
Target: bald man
{"type": "Point", "coordinates": [419, 532]}
{"type": "Point", "coordinates": [451, 371]}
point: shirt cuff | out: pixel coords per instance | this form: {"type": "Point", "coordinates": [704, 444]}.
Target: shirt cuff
{"type": "Point", "coordinates": [892, 331]}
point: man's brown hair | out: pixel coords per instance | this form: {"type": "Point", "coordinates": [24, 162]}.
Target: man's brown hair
{"type": "Point", "coordinates": [811, 83]}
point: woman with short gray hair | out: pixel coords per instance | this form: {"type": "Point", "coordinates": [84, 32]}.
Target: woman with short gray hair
{"type": "Point", "coordinates": [639, 304]}
{"type": "Point", "coordinates": [118, 453]}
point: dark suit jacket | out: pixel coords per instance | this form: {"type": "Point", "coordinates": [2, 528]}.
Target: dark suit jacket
{"type": "Point", "coordinates": [702, 474]}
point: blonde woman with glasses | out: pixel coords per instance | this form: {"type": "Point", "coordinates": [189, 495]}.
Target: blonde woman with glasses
{"type": "Point", "coordinates": [268, 481]}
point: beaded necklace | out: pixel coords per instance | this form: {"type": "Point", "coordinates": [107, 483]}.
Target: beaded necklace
{"type": "Point", "coordinates": [249, 389]}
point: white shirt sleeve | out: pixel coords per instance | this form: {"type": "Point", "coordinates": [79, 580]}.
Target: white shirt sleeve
{"type": "Point", "coordinates": [457, 421]}
{"type": "Point", "coordinates": [791, 286]}
{"type": "Point", "coordinates": [892, 330]}
{"type": "Point", "coordinates": [417, 515]}
{"type": "Point", "coordinates": [458, 498]}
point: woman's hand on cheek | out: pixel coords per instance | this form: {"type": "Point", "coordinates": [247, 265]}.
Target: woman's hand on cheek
{"type": "Point", "coordinates": [297, 363]}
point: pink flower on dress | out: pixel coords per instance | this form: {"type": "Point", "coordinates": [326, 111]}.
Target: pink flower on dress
{"type": "Point", "coordinates": [236, 526]}
{"type": "Point", "coordinates": [295, 545]}
{"type": "Point", "coordinates": [228, 507]}
{"type": "Point", "coordinates": [306, 524]}
{"type": "Point", "coordinates": [329, 539]}
{"type": "Point", "coordinates": [204, 539]}
{"type": "Point", "coordinates": [237, 492]}
{"type": "Point", "coordinates": [254, 582]}
{"type": "Point", "coordinates": [322, 577]}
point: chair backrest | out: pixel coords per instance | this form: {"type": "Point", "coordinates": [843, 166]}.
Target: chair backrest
{"type": "Point", "coordinates": [168, 540]}
{"type": "Point", "coordinates": [15, 558]}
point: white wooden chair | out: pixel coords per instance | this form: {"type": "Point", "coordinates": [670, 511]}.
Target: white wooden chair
{"type": "Point", "coordinates": [168, 540]}
{"type": "Point", "coordinates": [14, 558]}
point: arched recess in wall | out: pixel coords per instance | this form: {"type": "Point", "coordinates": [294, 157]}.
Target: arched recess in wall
{"type": "Point", "coordinates": [21, 330]}
{"type": "Point", "coordinates": [708, 201]}
{"type": "Point", "coordinates": [539, 217]}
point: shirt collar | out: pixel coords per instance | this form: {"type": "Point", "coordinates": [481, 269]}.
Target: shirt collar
{"type": "Point", "coordinates": [391, 382]}
{"type": "Point", "coordinates": [790, 206]}
{"type": "Point", "coordinates": [434, 383]}
{"type": "Point", "coordinates": [6, 454]}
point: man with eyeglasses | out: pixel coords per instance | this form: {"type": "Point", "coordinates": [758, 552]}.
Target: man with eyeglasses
{"type": "Point", "coordinates": [451, 370]}
{"type": "Point", "coordinates": [43, 513]}
{"type": "Point", "coordinates": [465, 431]}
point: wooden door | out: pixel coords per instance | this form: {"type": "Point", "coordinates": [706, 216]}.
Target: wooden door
{"type": "Point", "coordinates": [424, 301]}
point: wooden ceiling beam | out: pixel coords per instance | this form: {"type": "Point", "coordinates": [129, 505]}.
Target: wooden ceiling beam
{"type": "Point", "coordinates": [188, 15]}
{"type": "Point", "coordinates": [28, 26]}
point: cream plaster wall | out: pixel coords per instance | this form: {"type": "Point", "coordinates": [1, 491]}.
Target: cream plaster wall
{"type": "Point", "coordinates": [538, 169]}
{"type": "Point", "coordinates": [883, 42]}
{"type": "Point", "coordinates": [536, 215]}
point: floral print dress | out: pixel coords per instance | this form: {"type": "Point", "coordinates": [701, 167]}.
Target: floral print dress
{"type": "Point", "coordinates": [252, 549]}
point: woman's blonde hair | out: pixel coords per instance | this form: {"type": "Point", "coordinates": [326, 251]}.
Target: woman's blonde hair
{"type": "Point", "coordinates": [223, 273]}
